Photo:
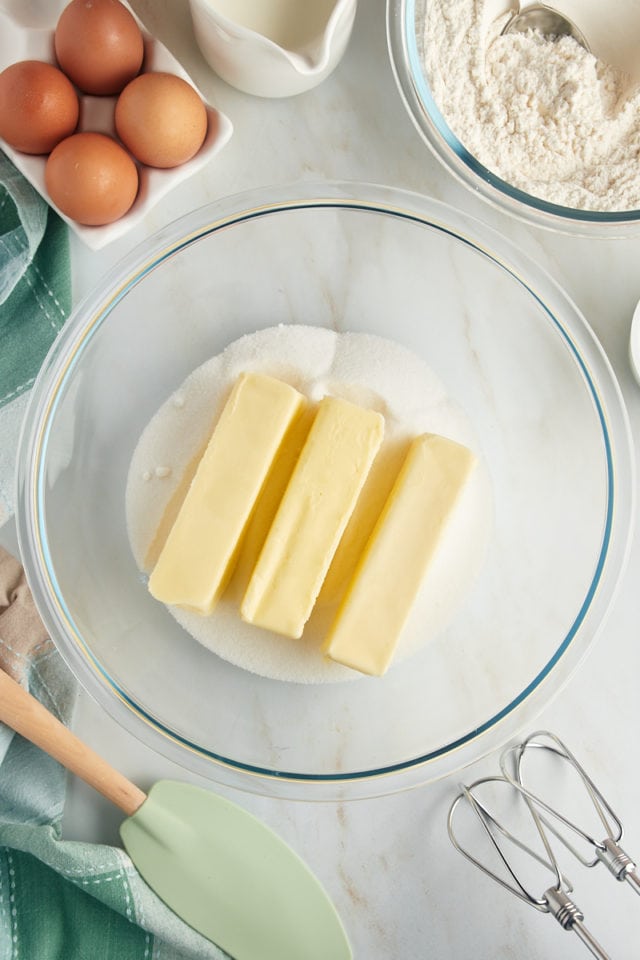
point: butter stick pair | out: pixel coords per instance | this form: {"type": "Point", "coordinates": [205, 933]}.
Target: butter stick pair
{"type": "Point", "coordinates": [200, 552]}
{"type": "Point", "coordinates": [201, 549]}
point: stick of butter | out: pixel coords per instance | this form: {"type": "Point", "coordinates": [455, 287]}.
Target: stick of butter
{"type": "Point", "coordinates": [317, 503]}
{"type": "Point", "coordinates": [387, 578]}
{"type": "Point", "coordinates": [202, 546]}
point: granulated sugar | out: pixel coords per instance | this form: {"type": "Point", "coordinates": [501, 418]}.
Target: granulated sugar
{"type": "Point", "coordinates": [544, 115]}
{"type": "Point", "coordinates": [364, 369]}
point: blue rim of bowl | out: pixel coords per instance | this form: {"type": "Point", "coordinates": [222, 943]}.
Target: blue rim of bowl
{"type": "Point", "coordinates": [34, 492]}
{"type": "Point", "coordinates": [470, 163]}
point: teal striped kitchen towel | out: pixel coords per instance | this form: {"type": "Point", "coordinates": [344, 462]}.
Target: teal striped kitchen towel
{"type": "Point", "coordinates": [35, 300]}
{"type": "Point", "coordinates": [35, 280]}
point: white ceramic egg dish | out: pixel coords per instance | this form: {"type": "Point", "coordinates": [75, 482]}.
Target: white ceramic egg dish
{"type": "Point", "coordinates": [20, 42]}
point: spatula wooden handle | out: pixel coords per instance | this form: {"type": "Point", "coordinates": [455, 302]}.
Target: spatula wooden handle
{"type": "Point", "coordinates": [27, 716]}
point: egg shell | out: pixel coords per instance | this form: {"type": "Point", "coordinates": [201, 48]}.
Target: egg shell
{"type": "Point", "coordinates": [38, 106]}
{"type": "Point", "coordinates": [99, 45]}
{"type": "Point", "coordinates": [161, 119]}
{"type": "Point", "coordinates": [91, 178]}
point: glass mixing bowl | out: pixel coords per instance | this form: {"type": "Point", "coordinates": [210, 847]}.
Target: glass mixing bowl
{"type": "Point", "coordinates": [512, 351]}
{"type": "Point", "coordinates": [404, 27]}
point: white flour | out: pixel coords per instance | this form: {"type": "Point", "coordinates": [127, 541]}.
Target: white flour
{"type": "Point", "coordinates": [365, 369]}
{"type": "Point", "coordinates": [545, 116]}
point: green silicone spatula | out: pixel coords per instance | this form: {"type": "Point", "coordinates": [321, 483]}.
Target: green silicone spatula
{"type": "Point", "coordinates": [219, 868]}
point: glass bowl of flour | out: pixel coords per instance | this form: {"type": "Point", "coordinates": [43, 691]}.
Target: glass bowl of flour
{"type": "Point", "coordinates": [541, 129]}
{"type": "Point", "coordinates": [399, 304]}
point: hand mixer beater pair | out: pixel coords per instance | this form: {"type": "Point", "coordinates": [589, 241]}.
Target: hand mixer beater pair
{"type": "Point", "coordinates": [545, 819]}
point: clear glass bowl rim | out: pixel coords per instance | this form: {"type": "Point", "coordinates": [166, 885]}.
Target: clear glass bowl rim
{"type": "Point", "coordinates": [443, 143]}
{"type": "Point", "coordinates": [95, 309]}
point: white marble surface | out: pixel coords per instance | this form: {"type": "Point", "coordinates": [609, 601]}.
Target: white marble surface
{"type": "Point", "coordinates": [401, 888]}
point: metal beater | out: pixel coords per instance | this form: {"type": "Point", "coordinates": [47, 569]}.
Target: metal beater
{"type": "Point", "coordinates": [607, 851]}
{"type": "Point", "coordinates": [555, 899]}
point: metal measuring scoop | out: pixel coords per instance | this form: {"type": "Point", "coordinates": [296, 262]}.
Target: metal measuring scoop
{"type": "Point", "coordinates": [546, 20]}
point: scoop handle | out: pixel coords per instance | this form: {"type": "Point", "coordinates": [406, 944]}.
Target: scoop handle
{"type": "Point", "coordinates": [28, 717]}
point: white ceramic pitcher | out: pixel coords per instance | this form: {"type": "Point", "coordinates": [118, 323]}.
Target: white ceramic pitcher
{"type": "Point", "coordinates": [273, 48]}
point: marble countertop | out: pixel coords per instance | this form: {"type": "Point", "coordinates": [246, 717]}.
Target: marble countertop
{"type": "Point", "coordinates": [401, 888]}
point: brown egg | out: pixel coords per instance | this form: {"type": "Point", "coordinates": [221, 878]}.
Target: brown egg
{"type": "Point", "coordinates": [99, 45]}
{"type": "Point", "coordinates": [38, 106]}
{"type": "Point", "coordinates": [91, 179]}
{"type": "Point", "coordinates": [161, 119]}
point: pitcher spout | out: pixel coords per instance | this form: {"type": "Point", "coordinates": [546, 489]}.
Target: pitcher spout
{"type": "Point", "coordinates": [314, 54]}
{"type": "Point", "coordinates": [273, 48]}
